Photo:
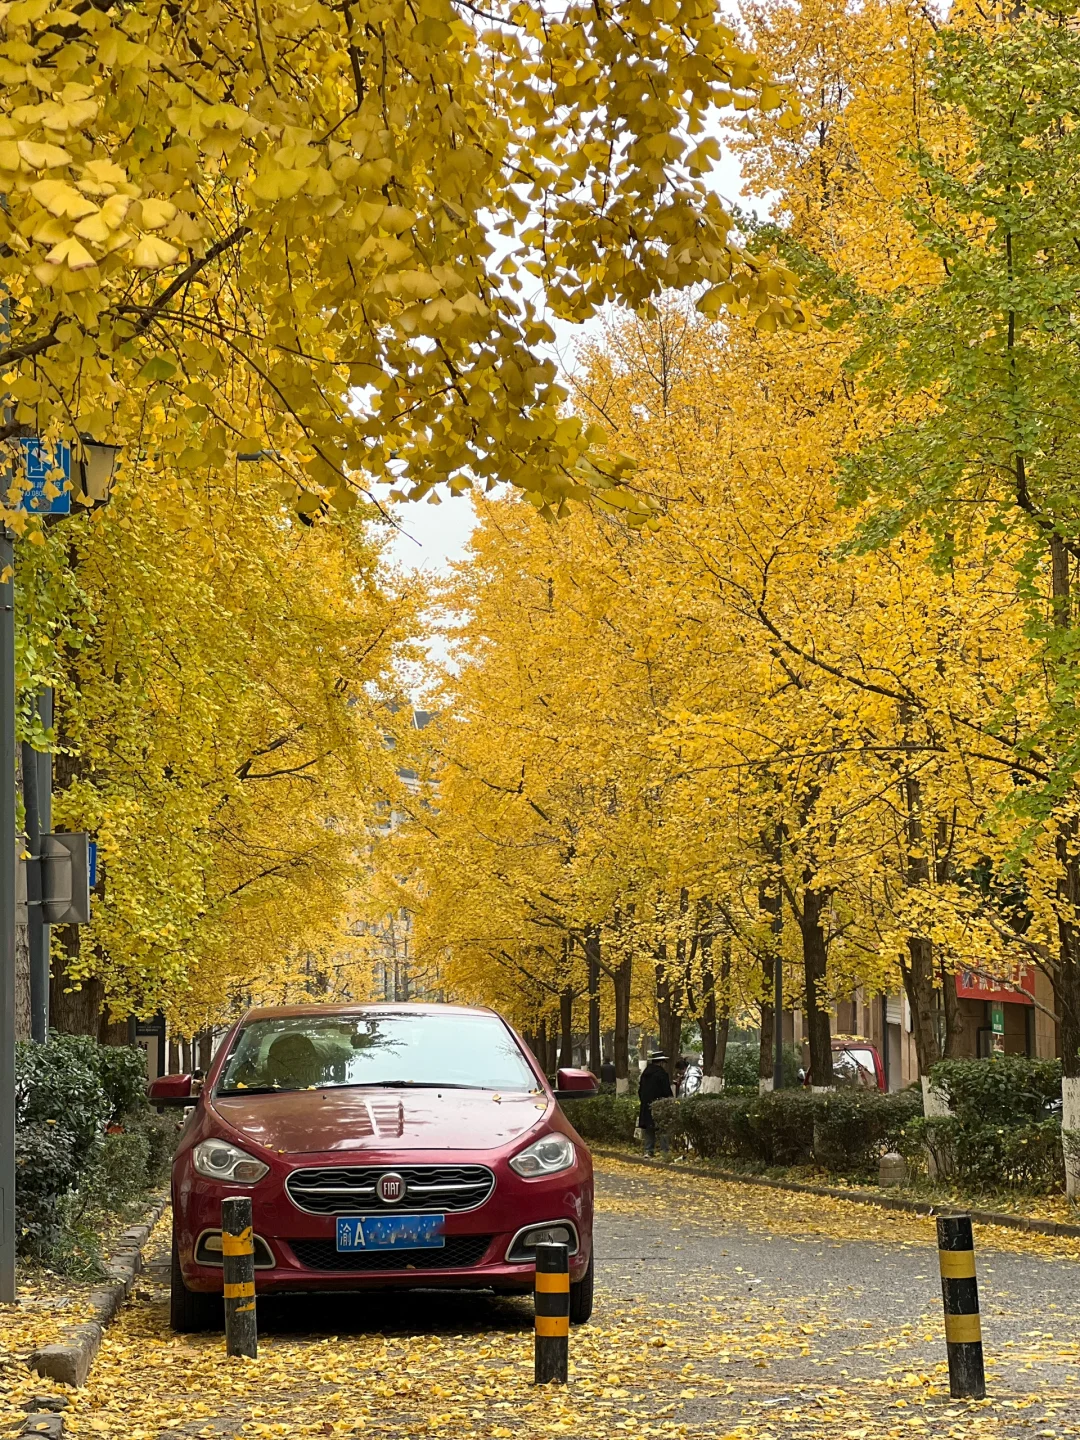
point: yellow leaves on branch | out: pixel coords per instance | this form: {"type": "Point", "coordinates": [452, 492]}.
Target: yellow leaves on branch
{"type": "Point", "coordinates": [288, 197]}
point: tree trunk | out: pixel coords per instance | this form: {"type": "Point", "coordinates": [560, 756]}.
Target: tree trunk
{"type": "Point", "coordinates": [953, 1048]}
{"type": "Point", "coordinates": [1067, 976]}
{"type": "Point", "coordinates": [543, 1053]}
{"type": "Point", "coordinates": [918, 973]}
{"type": "Point", "coordinates": [716, 1017]}
{"type": "Point", "coordinates": [592, 966]}
{"type": "Point", "coordinates": [770, 901]}
{"type": "Point", "coordinates": [621, 983]}
{"type": "Point", "coordinates": [566, 1028]}
{"type": "Point", "coordinates": [669, 1021]}
{"type": "Point", "coordinates": [1067, 997]}
{"type": "Point", "coordinates": [72, 1011]}
{"type": "Point", "coordinates": [815, 959]}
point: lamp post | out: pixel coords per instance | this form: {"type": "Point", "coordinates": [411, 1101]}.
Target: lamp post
{"type": "Point", "coordinates": [88, 480]}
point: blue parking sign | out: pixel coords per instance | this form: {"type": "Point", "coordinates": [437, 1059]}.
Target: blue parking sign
{"type": "Point", "coordinates": [41, 461]}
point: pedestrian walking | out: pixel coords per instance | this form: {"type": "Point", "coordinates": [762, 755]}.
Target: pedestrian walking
{"type": "Point", "coordinates": [607, 1072]}
{"type": "Point", "coordinates": [655, 1084]}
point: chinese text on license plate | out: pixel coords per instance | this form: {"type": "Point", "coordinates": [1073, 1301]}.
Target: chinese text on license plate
{"type": "Point", "coordinates": [390, 1232]}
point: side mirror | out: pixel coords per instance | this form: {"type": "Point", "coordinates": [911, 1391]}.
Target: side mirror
{"type": "Point", "coordinates": [171, 1090]}
{"type": "Point", "coordinates": [576, 1085]}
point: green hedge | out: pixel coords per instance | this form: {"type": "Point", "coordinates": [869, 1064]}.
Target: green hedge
{"type": "Point", "coordinates": [1001, 1091]}
{"type": "Point", "coordinates": [845, 1131]}
{"type": "Point", "coordinates": [1003, 1132]}
{"type": "Point", "coordinates": [990, 1158]}
{"type": "Point", "coordinates": [86, 1139]}
{"type": "Point", "coordinates": [608, 1119]}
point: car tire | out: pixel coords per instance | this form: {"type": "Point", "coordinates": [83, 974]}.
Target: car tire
{"type": "Point", "coordinates": [190, 1312]}
{"type": "Point", "coordinates": [581, 1296]}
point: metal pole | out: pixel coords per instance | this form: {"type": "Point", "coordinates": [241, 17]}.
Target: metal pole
{"type": "Point", "coordinates": [7, 919]}
{"type": "Point", "coordinates": [37, 792]}
{"type": "Point", "coordinates": [551, 1343]}
{"type": "Point", "coordinates": [238, 1266]}
{"type": "Point", "coordinates": [778, 995]}
{"type": "Point", "coordinates": [960, 1295]}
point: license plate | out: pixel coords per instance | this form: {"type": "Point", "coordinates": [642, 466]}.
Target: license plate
{"type": "Point", "coordinates": [390, 1232]}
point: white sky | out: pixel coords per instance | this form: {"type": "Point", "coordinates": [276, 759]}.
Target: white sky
{"type": "Point", "coordinates": [432, 536]}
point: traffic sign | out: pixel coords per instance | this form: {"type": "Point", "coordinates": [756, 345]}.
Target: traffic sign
{"type": "Point", "coordinates": [42, 462]}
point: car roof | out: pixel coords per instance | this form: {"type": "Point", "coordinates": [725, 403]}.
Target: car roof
{"type": "Point", "coordinates": [374, 1007]}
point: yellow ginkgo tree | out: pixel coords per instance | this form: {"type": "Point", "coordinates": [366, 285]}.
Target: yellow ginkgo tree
{"type": "Point", "coordinates": [329, 234]}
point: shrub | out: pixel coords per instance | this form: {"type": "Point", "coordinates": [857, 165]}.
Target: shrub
{"type": "Point", "coordinates": [989, 1158]}
{"type": "Point", "coordinates": [1002, 1090]}
{"type": "Point", "coordinates": [607, 1119]}
{"type": "Point", "coordinates": [854, 1128]}
{"type": "Point", "coordinates": [845, 1131]}
{"type": "Point", "coordinates": [783, 1121]}
{"type": "Point", "coordinates": [712, 1125]}
{"type": "Point", "coordinates": [61, 1110]}
{"type": "Point", "coordinates": [86, 1138]}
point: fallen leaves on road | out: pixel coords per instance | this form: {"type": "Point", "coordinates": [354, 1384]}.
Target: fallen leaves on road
{"type": "Point", "coordinates": [725, 1368]}
{"type": "Point", "coordinates": [799, 1216]}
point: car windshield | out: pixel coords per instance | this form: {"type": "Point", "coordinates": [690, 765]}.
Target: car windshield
{"type": "Point", "coordinates": [309, 1052]}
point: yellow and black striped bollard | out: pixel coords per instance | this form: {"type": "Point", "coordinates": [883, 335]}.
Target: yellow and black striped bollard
{"type": "Point", "coordinates": [552, 1314]}
{"type": "Point", "coordinates": [960, 1292]}
{"type": "Point", "coordinates": [238, 1263]}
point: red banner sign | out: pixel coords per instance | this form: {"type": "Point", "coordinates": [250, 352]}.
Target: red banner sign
{"type": "Point", "coordinates": [972, 985]}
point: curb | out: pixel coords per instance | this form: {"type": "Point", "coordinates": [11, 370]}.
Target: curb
{"type": "Point", "coordinates": [69, 1360]}
{"type": "Point", "coordinates": [857, 1197]}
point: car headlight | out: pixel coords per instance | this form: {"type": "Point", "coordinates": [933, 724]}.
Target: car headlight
{"type": "Point", "coordinates": [218, 1160]}
{"type": "Point", "coordinates": [545, 1157]}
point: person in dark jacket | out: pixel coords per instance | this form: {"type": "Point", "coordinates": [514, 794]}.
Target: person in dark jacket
{"type": "Point", "coordinates": [607, 1072]}
{"type": "Point", "coordinates": [655, 1084]}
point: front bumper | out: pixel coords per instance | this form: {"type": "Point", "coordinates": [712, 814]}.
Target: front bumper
{"type": "Point", "coordinates": [303, 1246]}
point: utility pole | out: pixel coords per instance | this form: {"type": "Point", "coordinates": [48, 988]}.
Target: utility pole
{"type": "Point", "coordinates": [7, 918]}
{"type": "Point", "coordinates": [37, 794]}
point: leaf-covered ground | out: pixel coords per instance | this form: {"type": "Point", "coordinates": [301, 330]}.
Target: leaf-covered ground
{"type": "Point", "coordinates": [723, 1310]}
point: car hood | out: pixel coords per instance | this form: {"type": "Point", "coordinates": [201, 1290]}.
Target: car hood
{"type": "Point", "coordinates": [308, 1122]}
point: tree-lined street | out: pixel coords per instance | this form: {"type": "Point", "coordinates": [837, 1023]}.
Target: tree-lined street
{"type": "Point", "coordinates": [719, 799]}
{"type": "Point", "coordinates": [722, 1310]}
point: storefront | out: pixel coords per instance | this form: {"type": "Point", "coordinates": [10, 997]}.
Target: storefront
{"type": "Point", "coordinates": [997, 1019]}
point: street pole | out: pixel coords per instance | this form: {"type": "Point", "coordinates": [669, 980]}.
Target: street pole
{"type": "Point", "coordinates": [7, 918]}
{"type": "Point", "coordinates": [37, 794]}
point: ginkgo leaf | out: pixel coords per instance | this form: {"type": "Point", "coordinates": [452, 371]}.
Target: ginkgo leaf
{"type": "Point", "coordinates": [93, 228]}
{"type": "Point", "coordinates": [72, 254]}
{"type": "Point", "coordinates": [60, 198]}
{"type": "Point", "coordinates": [41, 156]}
{"type": "Point", "coordinates": [153, 214]}
{"type": "Point", "coordinates": [151, 253]}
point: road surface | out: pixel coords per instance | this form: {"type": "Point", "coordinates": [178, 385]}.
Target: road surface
{"type": "Point", "coordinates": [723, 1311]}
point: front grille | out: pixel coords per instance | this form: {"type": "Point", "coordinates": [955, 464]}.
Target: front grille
{"type": "Point", "coordinates": [350, 1189]}
{"type": "Point", "coordinates": [459, 1252]}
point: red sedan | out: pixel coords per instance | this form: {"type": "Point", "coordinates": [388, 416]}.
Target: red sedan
{"type": "Point", "coordinates": [383, 1146]}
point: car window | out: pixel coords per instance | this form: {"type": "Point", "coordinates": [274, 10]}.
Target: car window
{"type": "Point", "coordinates": [319, 1052]}
{"type": "Point", "coordinates": [855, 1066]}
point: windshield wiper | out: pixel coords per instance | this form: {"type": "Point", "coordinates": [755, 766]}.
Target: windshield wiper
{"type": "Point", "coordinates": [259, 1090]}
